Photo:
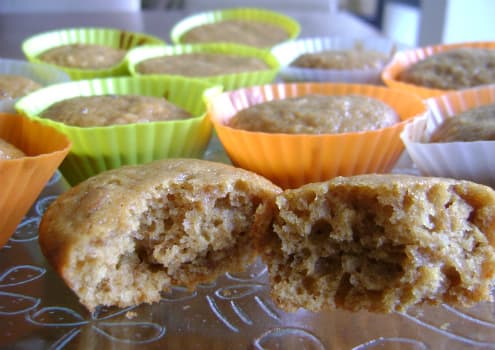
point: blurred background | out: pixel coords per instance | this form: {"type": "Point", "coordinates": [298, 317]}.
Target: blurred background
{"type": "Point", "coordinates": [411, 22]}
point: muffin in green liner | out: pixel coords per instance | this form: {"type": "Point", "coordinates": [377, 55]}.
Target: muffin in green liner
{"type": "Point", "coordinates": [290, 25]}
{"type": "Point", "coordinates": [35, 45]}
{"type": "Point", "coordinates": [100, 148]}
{"type": "Point", "coordinates": [228, 81]}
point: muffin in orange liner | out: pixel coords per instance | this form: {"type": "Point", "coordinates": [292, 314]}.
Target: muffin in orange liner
{"type": "Point", "coordinates": [291, 160]}
{"type": "Point", "coordinates": [461, 160]}
{"type": "Point", "coordinates": [24, 178]}
{"type": "Point", "coordinates": [404, 59]}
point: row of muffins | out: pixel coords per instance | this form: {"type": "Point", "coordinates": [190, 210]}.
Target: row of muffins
{"type": "Point", "coordinates": [279, 156]}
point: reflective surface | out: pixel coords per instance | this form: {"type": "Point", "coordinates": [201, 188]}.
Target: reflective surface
{"type": "Point", "coordinates": [37, 310]}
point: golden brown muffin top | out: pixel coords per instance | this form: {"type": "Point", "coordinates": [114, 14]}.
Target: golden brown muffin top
{"type": "Point", "coordinates": [14, 86]}
{"type": "Point", "coordinates": [453, 69]}
{"type": "Point", "coordinates": [475, 124]}
{"type": "Point", "coordinates": [201, 64]}
{"type": "Point", "coordinates": [316, 114]}
{"type": "Point", "coordinates": [87, 111]}
{"type": "Point", "coordinates": [9, 151]}
{"type": "Point", "coordinates": [253, 33]}
{"type": "Point", "coordinates": [83, 56]}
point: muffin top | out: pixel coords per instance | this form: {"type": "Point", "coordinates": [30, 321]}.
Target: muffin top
{"type": "Point", "coordinates": [9, 151]}
{"type": "Point", "coordinates": [475, 124]}
{"type": "Point", "coordinates": [342, 59]}
{"type": "Point", "coordinates": [253, 33]}
{"type": "Point", "coordinates": [453, 69]}
{"type": "Point", "coordinates": [200, 64]}
{"type": "Point", "coordinates": [15, 86]}
{"type": "Point", "coordinates": [83, 56]}
{"type": "Point", "coordinates": [316, 114]}
{"type": "Point", "coordinates": [87, 111]}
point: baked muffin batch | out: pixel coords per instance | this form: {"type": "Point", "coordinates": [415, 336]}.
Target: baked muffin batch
{"type": "Point", "coordinates": [310, 188]}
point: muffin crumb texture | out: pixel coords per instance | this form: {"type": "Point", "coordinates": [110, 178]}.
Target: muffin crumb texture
{"type": "Point", "coordinates": [381, 243]}
{"type": "Point", "coordinates": [9, 151]}
{"type": "Point", "coordinates": [124, 236]}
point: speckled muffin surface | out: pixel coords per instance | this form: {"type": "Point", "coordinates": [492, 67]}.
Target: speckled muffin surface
{"type": "Point", "coordinates": [381, 243]}
{"type": "Point", "coordinates": [316, 114]}
{"type": "Point", "coordinates": [201, 64]}
{"type": "Point", "coordinates": [253, 33]}
{"type": "Point", "coordinates": [341, 59]}
{"type": "Point", "coordinates": [15, 86]}
{"type": "Point", "coordinates": [453, 69]}
{"type": "Point", "coordinates": [9, 151]}
{"type": "Point", "coordinates": [124, 236]}
{"type": "Point", "coordinates": [475, 124]}
{"type": "Point", "coordinates": [83, 56]}
{"type": "Point", "coordinates": [104, 110]}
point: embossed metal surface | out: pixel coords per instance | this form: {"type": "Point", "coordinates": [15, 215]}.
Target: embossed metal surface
{"type": "Point", "coordinates": [37, 311]}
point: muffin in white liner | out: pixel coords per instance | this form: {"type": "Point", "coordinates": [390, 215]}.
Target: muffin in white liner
{"type": "Point", "coordinates": [287, 52]}
{"type": "Point", "coordinates": [42, 74]}
{"type": "Point", "coordinates": [471, 160]}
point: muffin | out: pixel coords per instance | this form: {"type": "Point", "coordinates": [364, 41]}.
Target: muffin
{"type": "Point", "coordinates": [475, 124]}
{"type": "Point", "coordinates": [316, 114]}
{"type": "Point", "coordinates": [86, 53]}
{"type": "Point", "coordinates": [124, 236]}
{"type": "Point", "coordinates": [438, 69]}
{"type": "Point", "coordinates": [252, 33]}
{"type": "Point", "coordinates": [130, 134]}
{"type": "Point", "coordinates": [293, 159]}
{"type": "Point", "coordinates": [247, 26]}
{"type": "Point", "coordinates": [201, 64]}
{"type": "Point", "coordinates": [105, 110]}
{"type": "Point", "coordinates": [9, 151]}
{"type": "Point", "coordinates": [14, 86]}
{"type": "Point", "coordinates": [337, 59]}
{"type": "Point", "coordinates": [30, 153]}
{"type": "Point", "coordinates": [441, 145]}
{"type": "Point", "coordinates": [454, 69]}
{"type": "Point", "coordinates": [356, 58]}
{"type": "Point", "coordinates": [381, 243]}
{"type": "Point", "coordinates": [230, 65]}
{"type": "Point", "coordinates": [18, 78]}
{"type": "Point", "coordinates": [83, 56]}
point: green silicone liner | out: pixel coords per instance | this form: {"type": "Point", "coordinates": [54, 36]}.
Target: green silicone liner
{"type": "Point", "coordinates": [252, 14]}
{"type": "Point", "coordinates": [37, 44]}
{"type": "Point", "coordinates": [100, 148]}
{"type": "Point", "coordinates": [228, 81]}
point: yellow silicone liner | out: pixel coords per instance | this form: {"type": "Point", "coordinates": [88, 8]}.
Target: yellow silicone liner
{"type": "Point", "coordinates": [100, 148]}
{"type": "Point", "coordinates": [228, 81]}
{"type": "Point", "coordinates": [292, 27]}
{"type": "Point", "coordinates": [23, 178]}
{"type": "Point", "coordinates": [39, 43]}
{"type": "Point", "coordinates": [291, 160]}
{"type": "Point", "coordinates": [404, 59]}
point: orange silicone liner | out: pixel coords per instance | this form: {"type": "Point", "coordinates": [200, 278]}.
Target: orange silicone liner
{"type": "Point", "coordinates": [291, 160]}
{"type": "Point", "coordinates": [23, 178]}
{"type": "Point", "coordinates": [404, 59]}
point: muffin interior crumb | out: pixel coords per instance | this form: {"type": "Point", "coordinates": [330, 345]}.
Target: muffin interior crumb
{"type": "Point", "coordinates": [360, 249]}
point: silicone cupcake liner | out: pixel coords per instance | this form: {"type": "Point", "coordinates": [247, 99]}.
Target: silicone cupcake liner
{"type": "Point", "coordinates": [43, 74]}
{"type": "Point", "coordinates": [228, 81]}
{"type": "Point", "coordinates": [291, 160]}
{"type": "Point", "coordinates": [252, 14]}
{"type": "Point", "coordinates": [461, 160]}
{"type": "Point", "coordinates": [24, 178]}
{"type": "Point", "coordinates": [289, 51]}
{"type": "Point", "coordinates": [96, 149]}
{"type": "Point", "coordinates": [37, 44]}
{"type": "Point", "coordinates": [404, 59]}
